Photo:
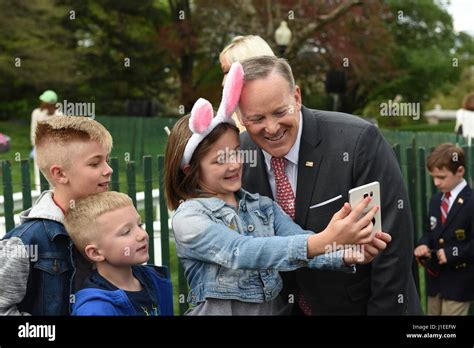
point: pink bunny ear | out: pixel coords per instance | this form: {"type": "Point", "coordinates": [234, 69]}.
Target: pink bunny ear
{"type": "Point", "coordinates": [232, 88]}
{"type": "Point", "coordinates": [201, 116]}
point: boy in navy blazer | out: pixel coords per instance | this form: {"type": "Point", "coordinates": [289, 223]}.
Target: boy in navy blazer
{"type": "Point", "coordinates": [447, 247]}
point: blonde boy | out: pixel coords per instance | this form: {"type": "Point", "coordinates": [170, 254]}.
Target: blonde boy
{"type": "Point", "coordinates": [107, 229]}
{"type": "Point", "coordinates": [72, 153]}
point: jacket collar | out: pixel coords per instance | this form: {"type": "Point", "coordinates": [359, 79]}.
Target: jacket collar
{"type": "Point", "coordinates": [43, 208]}
{"type": "Point", "coordinates": [46, 210]}
{"type": "Point", "coordinates": [214, 203]}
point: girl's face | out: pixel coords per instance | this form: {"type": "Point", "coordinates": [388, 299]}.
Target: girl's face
{"type": "Point", "coordinates": [220, 171]}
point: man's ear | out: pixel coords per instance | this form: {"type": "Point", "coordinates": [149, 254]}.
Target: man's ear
{"type": "Point", "coordinates": [57, 174]}
{"type": "Point", "coordinates": [93, 253]}
{"type": "Point", "coordinates": [461, 170]}
{"type": "Point", "coordinates": [298, 97]}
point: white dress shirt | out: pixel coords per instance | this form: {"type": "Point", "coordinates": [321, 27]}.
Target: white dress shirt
{"type": "Point", "coordinates": [455, 192]}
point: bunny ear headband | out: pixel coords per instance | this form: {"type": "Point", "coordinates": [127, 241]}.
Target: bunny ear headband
{"type": "Point", "coordinates": [202, 122]}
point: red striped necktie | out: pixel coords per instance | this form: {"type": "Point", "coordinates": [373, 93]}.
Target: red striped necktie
{"type": "Point", "coordinates": [445, 207]}
{"type": "Point", "coordinates": [284, 193]}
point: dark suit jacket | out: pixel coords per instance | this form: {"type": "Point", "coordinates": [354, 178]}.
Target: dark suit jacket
{"type": "Point", "coordinates": [346, 152]}
{"type": "Point", "coordinates": [456, 236]}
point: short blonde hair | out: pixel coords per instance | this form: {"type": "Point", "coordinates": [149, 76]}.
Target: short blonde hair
{"type": "Point", "coordinates": [243, 47]}
{"type": "Point", "coordinates": [81, 219]}
{"type": "Point", "coordinates": [57, 131]}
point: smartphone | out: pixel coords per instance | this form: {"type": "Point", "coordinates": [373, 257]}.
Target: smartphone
{"type": "Point", "coordinates": [371, 190]}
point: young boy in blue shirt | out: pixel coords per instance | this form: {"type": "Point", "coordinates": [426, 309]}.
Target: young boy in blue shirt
{"type": "Point", "coordinates": [107, 229]}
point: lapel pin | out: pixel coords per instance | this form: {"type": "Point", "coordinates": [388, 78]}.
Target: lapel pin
{"type": "Point", "coordinates": [309, 164]}
{"type": "Point", "coordinates": [460, 201]}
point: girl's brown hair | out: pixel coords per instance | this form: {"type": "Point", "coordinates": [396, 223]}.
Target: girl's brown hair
{"type": "Point", "coordinates": [178, 185]}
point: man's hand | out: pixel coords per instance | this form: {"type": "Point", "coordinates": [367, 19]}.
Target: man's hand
{"type": "Point", "coordinates": [441, 257]}
{"type": "Point", "coordinates": [365, 253]}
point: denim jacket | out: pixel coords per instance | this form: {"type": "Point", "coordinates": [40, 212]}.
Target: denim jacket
{"type": "Point", "coordinates": [47, 277]}
{"type": "Point", "coordinates": [226, 253]}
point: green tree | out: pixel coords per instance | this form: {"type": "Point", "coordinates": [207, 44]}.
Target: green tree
{"type": "Point", "coordinates": [34, 54]}
{"type": "Point", "coordinates": [119, 51]}
{"type": "Point", "coordinates": [423, 58]}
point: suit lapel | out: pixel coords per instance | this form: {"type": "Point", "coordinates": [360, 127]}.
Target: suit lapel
{"type": "Point", "coordinates": [263, 185]}
{"type": "Point", "coordinates": [309, 160]}
{"type": "Point", "coordinates": [461, 199]}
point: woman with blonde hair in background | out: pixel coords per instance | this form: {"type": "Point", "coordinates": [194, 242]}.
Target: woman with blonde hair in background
{"type": "Point", "coordinates": [241, 48]}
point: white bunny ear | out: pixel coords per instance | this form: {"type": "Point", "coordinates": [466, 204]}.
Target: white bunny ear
{"type": "Point", "coordinates": [201, 116]}
{"type": "Point", "coordinates": [232, 89]}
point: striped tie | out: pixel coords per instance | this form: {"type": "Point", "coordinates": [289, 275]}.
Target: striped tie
{"type": "Point", "coordinates": [445, 207]}
{"type": "Point", "coordinates": [284, 193]}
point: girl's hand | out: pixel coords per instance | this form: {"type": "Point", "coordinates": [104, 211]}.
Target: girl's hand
{"type": "Point", "coordinates": [365, 253]}
{"type": "Point", "coordinates": [347, 228]}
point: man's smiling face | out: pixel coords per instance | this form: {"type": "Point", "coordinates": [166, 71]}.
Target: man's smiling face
{"type": "Point", "coordinates": [270, 113]}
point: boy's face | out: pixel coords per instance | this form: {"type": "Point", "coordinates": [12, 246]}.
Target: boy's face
{"type": "Point", "coordinates": [220, 170]}
{"type": "Point", "coordinates": [122, 241]}
{"type": "Point", "coordinates": [88, 171]}
{"type": "Point", "coordinates": [445, 180]}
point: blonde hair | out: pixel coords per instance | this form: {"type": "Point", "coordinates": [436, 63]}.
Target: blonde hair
{"type": "Point", "coordinates": [81, 219]}
{"type": "Point", "coordinates": [53, 134]}
{"type": "Point", "coordinates": [243, 47]}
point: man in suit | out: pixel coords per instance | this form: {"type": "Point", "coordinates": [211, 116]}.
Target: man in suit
{"type": "Point", "coordinates": [324, 155]}
{"type": "Point", "coordinates": [447, 247]}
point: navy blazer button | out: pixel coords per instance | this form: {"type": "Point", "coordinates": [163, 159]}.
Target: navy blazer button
{"type": "Point", "coordinates": [250, 228]}
{"type": "Point", "coordinates": [441, 241]}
